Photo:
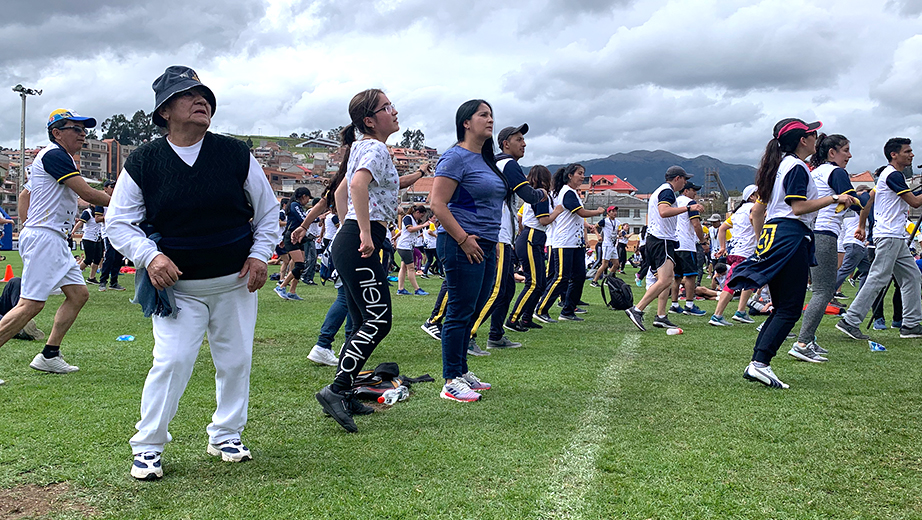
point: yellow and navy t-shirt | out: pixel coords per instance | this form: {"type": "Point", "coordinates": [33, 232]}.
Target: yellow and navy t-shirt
{"type": "Point", "coordinates": [52, 205]}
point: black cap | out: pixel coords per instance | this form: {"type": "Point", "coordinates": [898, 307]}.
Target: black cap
{"type": "Point", "coordinates": [176, 79]}
{"type": "Point", "coordinates": [691, 186]}
{"type": "Point", "coordinates": [509, 130]}
{"type": "Point", "coordinates": [677, 171]}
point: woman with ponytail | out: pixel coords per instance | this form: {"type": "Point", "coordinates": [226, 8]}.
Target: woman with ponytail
{"type": "Point", "coordinates": [829, 175]}
{"type": "Point", "coordinates": [782, 219]}
{"type": "Point", "coordinates": [567, 267]}
{"type": "Point", "coordinates": [467, 197]}
{"type": "Point", "coordinates": [372, 186]}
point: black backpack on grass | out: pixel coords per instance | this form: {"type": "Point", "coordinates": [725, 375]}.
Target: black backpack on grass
{"type": "Point", "coordinates": [620, 295]}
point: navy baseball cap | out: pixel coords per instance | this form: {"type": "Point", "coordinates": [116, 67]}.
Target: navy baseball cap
{"type": "Point", "coordinates": [176, 79]}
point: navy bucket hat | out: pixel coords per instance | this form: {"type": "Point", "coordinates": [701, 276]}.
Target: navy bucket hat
{"type": "Point", "coordinates": [174, 80]}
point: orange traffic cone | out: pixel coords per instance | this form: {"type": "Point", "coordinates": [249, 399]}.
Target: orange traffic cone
{"type": "Point", "coordinates": [9, 273]}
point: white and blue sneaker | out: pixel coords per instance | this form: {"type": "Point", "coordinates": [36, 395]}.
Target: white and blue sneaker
{"type": "Point", "coordinates": [403, 292]}
{"type": "Point", "coordinates": [295, 297]}
{"type": "Point", "coordinates": [763, 375]}
{"type": "Point", "coordinates": [282, 293]}
{"type": "Point", "coordinates": [675, 308]}
{"type": "Point", "coordinates": [232, 450]}
{"type": "Point", "coordinates": [146, 466]}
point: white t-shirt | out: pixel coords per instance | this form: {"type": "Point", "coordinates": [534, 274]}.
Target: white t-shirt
{"type": "Point", "coordinates": [849, 226]}
{"type": "Point", "coordinates": [890, 210]}
{"type": "Point", "coordinates": [688, 239]}
{"type": "Point", "coordinates": [662, 228]}
{"type": "Point", "coordinates": [372, 155]}
{"type": "Point", "coordinates": [407, 239]}
{"type": "Point", "coordinates": [91, 228]}
{"type": "Point", "coordinates": [831, 180]}
{"type": "Point", "coordinates": [744, 237]}
{"type": "Point", "coordinates": [567, 230]}
{"type": "Point", "coordinates": [52, 205]}
{"type": "Point", "coordinates": [329, 228]}
{"type": "Point", "coordinates": [610, 227]}
{"type": "Point", "coordinates": [430, 236]}
{"type": "Point", "coordinates": [792, 182]}
{"type": "Point", "coordinates": [507, 226]}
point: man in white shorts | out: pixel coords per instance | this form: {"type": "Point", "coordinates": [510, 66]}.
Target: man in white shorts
{"type": "Point", "coordinates": [608, 230]}
{"type": "Point", "coordinates": [47, 261]}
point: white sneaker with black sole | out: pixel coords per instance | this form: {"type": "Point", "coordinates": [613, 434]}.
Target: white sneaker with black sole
{"type": "Point", "coordinates": [763, 375]}
{"type": "Point", "coordinates": [805, 353]}
{"type": "Point", "coordinates": [147, 466]}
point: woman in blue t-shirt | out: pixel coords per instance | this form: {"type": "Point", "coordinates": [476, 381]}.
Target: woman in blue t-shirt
{"type": "Point", "coordinates": [467, 197]}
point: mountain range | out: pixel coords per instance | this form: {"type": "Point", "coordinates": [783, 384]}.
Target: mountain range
{"type": "Point", "coordinates": [645, 169]}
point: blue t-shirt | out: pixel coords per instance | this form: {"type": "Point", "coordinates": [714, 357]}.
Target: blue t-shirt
{"type": "Point", "coordinates": [477, 201]}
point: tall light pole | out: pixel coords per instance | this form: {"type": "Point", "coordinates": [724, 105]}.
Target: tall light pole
{"type": "Point", "coordinates": [23, 92]}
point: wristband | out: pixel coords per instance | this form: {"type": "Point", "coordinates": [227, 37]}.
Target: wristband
{"type": "Point", "coordinates": [465, 239]}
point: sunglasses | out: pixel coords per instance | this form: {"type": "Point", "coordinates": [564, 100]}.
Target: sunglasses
{"type": "Point", "coordinates": [78, 129]}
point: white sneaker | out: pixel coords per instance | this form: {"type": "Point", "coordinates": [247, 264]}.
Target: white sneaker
{"type": "Point", "coordinates": [763, 375]}
{"type": "Point", "coordinates": [458, 390]}
{"type": "Point", "coordinates": [230, 451]}
{"type": "Point", "coordinates": [2, 382]}
{"type": "Point", "coordinates": [474, 382]}
{"type": "Point", "coordinates": [146, 466]}
{"type": "Point", "coordinates": [323, 356]}
{"type": "Point", "coordinates": [806, 353]}
{"type": "Point", "coordinates": [55, 365]}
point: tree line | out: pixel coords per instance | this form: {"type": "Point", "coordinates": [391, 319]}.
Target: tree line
{"type": "Point", "coordinates": [411, 138]}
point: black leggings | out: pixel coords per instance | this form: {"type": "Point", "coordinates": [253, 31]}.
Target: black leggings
{"type": "Point", "coordinates": [432, 262]}
{"type": "Point", "coordinates": [367, 296]}
{"type": "Point", "coordinates": [788, 288]}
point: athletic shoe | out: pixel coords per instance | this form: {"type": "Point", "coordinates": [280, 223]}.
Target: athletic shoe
{"type": "Point", "coordinates": [896, 324]}
{"type": "Point", "coordinates": [102, 287]}
{"type": "Point", "coordinates": [851, 281]}
{"type": "Point", "coordinates": [403, 292]}
{"type": "Point", "coordinates": [294, 297]}
{"type": "Point", "coordinates": [230, 451]}
{"type": "Point", "coordinates": [719, 321]}
{"type": "Point", "coordinates": [323, 356]}
{"type": "Point", "coordinates": [282, 293]}
{"type": "Point", "coordinates": [569, 317]}
{"type": "Point", "coordinates": [578, 310]}
{"type": "Point", "coordinates": [503, 342]}
{"type": "Point", "coordinates": [420, 292]}
{"type": "Point", "coordinates": [458, 390]}
{"type": "Point", "coordinates": [426, 276]}
{"type": "Point", "coordinates": [694, 310]}
{"type": "Point", "coordinates": [116, 287]}
{"type": "Point", "coordinates": [675, 308]}
{"type": "Point", "coordinates": [515, 326]}
{"type": "Point", "coordinates": [391, 278]}
{"type": "Point", "coordinates": [663, 322]}
{"type": "Point", "coordinates": [742, 317]}
{"type": "Point", "coordinates": [2, 382]}
{"type": "Point", "coordinates": [594, 284]}
{"type": "Point", "coordinates": [851, 330]}
{"type": "Point", "coordinates": [433, 329]}
{"type": "Point", "coordinates": [146, 466]}
{"type": "Point", "coordinates": [911, 332]}
{"type": "Point", "coordinates": [638, 282]}
{"type": "Point", "coordinates": [308, 282]}
{"type": "Point", "coordinates": [474, 382]}
{"type": "Point", "coordinates": [763, 375]}
{"type": "Point", "coordinates": [544, 318]}
{"type": "Point", "coordinates": [474, 350]}
{"type": "Point", "coordinates": [55, 365]}
{"type": "Point", "coordinates": [92, 281]}
{"type": "Point", "coordinates": [30, 332]}
{"type": "Point", "coordinates": [805, 353]}
{"type": "Point", "coordinates": [816, 348]}
{"type": "Point", "coordinates": [356, 407]}
{"type": "Point", "coordinates": [334, 404]}
{"type": "Point", "coordinates": [584, 304]}
{"type": "Point", "coordinates": [530, 325]}
{"type": "Point", "coordinates": [636, 318]}
{"type": "Point", "coordinates": [839, 295]}
{"type": "Point", "coordinates": [880, 324]}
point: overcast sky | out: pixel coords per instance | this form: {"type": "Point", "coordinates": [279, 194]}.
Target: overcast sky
{"type": "Point", "coordinates": [591, 77]}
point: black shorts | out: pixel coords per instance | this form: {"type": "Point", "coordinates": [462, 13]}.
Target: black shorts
{"type": "Point", "coordinates": [686, 264]}
{"type": "Point", "coordinates": [658, 251]}
{"type": "Point", "coordinates": [288, 246]}
{"type": "Point", "coordinates": [406, 255]}
{"type": "Point", "coordinates": [92, 251]}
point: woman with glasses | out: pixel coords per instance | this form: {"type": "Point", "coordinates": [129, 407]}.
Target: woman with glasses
{"type": "Point", "coordinates": [373, 185]}
{"type": "Point", "coordinates": [467, 196]}
{"type": "Point", "coordinates": [782, 219]}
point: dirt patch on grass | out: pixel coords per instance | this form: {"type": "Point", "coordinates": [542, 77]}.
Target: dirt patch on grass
{"type": "Point", "coordinates": [32, 501]}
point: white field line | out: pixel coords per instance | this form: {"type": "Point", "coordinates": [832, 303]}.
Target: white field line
{"type": "Point", "coordinates": [575, 468]}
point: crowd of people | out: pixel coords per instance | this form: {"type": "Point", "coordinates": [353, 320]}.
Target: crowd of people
{"type": "Point", "coordinates": [195, 214]}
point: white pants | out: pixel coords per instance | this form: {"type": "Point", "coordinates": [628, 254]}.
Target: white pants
{"type": "Point", "coordinates": [224, 309]}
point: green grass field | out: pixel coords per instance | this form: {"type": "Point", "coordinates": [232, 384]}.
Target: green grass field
{"type": "Point", "coordinates": [588, 420]}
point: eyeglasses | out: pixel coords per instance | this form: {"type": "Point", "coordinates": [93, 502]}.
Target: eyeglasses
{"type": "Point", "coordinates": [78, 129]}
{"type": "Point", "coordinates": [389, 108]}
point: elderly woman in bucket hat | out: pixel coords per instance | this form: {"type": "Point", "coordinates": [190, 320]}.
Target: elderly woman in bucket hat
{"type": "Point", "coordinates": [207, 228]}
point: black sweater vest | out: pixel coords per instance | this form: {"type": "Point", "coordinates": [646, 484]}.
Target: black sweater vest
{"type": "Point", "coordinates": [201, 212]}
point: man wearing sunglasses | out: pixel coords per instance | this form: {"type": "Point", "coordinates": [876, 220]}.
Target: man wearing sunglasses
{"type": "Point", "coordinates": [47, 262]}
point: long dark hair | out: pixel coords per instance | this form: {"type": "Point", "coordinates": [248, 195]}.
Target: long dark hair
{"type": "Point", "coordinates": [825, 143]}
{"type": "Point", "coordinates": [539, 177]}
{"type": "Point", "coordinates": [465, 112]}
{"type": "Point", "coordinates": [775, 151]}
{"type": "Point", "coordinates": [361, 106]}
{"type": "Point", "coordinates": [563, 175]}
